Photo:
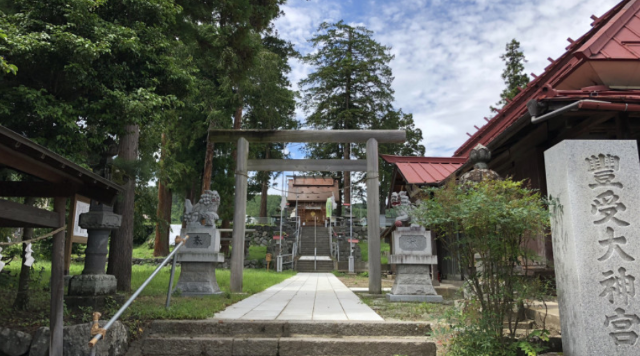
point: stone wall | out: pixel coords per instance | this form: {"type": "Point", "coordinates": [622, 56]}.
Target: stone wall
{"type": "Point", "coordinates": [263, 235]}
{"type": "Point", "coordinates": [359, 232]}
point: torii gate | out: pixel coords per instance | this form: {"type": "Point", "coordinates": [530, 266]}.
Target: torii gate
{"type": "Point", "coordinates": [370, 165]}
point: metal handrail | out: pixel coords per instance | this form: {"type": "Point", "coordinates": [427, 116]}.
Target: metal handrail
{"type": "Point", "coordinates": [330, 239]}
{"type": "Point", "coordinates": [96, 338]}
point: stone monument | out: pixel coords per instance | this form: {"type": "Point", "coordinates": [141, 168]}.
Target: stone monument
{"type": "Point", "coordinates": [596, 246]}
{"type": "Point", "coordinates": [93, 286]}
{"type": "Point", "coordinates": [200, 254]}
{"type": "Point", "coordinates": [413, 259]}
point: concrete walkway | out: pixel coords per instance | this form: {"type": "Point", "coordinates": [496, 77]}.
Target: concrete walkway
{"type": "Point", "coordinates": [305, 296]}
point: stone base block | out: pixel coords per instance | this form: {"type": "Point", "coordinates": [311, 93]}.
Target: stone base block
{"type": "Point", "coordinates": [92, 284]}
{"type": "Point", "coordinates": [413, 280]}
{"type": "Point", "coordinates": [198, 278]}
{"type": "Point", "coordinates": [414, 298]}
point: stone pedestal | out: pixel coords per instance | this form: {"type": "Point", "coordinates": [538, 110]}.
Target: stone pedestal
{"type": "Point", "coordinates": [198, 278]}
{"type": "Point", "coordinates": [198, 259]}
{"type": "Point", "coordinates": [413, 259]}
{"type": "Point", "coordinates": [93, 288]}
{"type": "Point", "coordinates": [596, 245]}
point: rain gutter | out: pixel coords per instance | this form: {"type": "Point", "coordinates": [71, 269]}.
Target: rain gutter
{"type": "Point", "coordinates": [586, 104]}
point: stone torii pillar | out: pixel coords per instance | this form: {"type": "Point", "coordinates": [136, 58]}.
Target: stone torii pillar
{"type": "Point", "coordinates": [239, 216]}
{"type": "Point", "coordinates": [373, 217]}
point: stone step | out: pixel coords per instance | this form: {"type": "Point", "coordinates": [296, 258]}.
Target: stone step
{"type": "Point", "coordinates": [242, 337]}
{"type": "Point", "coordinates": [281, 328]}
{"type": "Point", "coordinates": [308, 266]}
{"type": "Point", "coordinates": [287, 346]}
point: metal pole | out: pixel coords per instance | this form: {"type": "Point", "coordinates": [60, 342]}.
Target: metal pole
{"type": "Point", "coordinates": [352, 267]}
{"type": "Point", "coordinates": [117, 315]}
{"type": "Point", "coordinates": [315, 254]}
{"type": "Point", "coordinates": [173, 273]}
{"type": "Point", "coordinates": [279, 269]}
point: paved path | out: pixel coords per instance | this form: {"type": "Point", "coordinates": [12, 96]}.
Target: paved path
{"type": "Point", "coordinates": [305, 296]}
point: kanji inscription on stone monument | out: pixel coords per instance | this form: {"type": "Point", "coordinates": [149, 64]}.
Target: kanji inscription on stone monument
{"type": "Point", "coordinates": [596, 187]}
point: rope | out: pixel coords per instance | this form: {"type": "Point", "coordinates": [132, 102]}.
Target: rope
{"type": "Point", "coordinates": [34, 240]}
{"type": "Point", "coordinates": [242, 174]}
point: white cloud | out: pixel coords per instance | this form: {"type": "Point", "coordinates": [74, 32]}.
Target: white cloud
{"type": "Point", "coordinates": [447, 64]}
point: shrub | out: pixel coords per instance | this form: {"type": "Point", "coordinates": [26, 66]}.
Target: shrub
{"type": "Point", "coordinates": [488, 225]}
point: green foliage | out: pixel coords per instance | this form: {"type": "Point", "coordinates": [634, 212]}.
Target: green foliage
{"type": "Point", "coordinates": [6, 67]}
{"type": "Point", "coordinates": [488, 225]}
{"type": "Point", "coordinates": [364, 250]}
{"type": "Point", "coordinates": [273, 205]}
{"type": "Point", "coordinates": [144, 218]}
{"type": "Point", "coordinates": [513, 75]}
{"type": "Point", "coordinates": [87, 69]}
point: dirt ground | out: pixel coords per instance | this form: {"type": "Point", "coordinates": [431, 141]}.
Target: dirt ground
{"type": "Point", "coordinates": [362, 281]}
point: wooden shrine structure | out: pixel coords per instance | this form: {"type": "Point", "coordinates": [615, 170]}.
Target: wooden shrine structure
{"type": "Point", "coordinates": [53, 177]}
{"type": "Point", "coordinates": [370, 165]}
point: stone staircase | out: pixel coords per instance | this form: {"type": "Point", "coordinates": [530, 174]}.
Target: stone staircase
{"type": "Point", "coordinates": [283, 338]}
{"type": "Point", "coordinates": [314, 237]}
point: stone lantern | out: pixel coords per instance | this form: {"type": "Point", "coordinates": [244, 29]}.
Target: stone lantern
{"type": "Point", "coordinates": [94, 285]}
{"type": "Point", "coordinates": [480, 157]}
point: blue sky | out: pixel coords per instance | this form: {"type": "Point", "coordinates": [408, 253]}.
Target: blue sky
{"type": "Point", "coordinates": [447, 52]}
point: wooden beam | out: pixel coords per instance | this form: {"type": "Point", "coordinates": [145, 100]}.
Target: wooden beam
{"type": "Point", "coordinates": [57, 282]}
{"type": "Point", "coordinates": [309, 136]}
{"type": "Point", "coordinates": [582, 128]}
{"type": "Point", "coordinates": [20, 215]}
{"type": "Point", "coordinates": [239, 216]}
{"type": "Point", "coordinates": [307, 165]}
{"type": "Point", "coordinates": [373, 218]}
{"type": "Point", "coordinates": [31, 166]}
{"type": "Point", "coordinates": [36, 189]}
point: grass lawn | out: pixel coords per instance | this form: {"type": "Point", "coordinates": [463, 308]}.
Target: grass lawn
{"type": "Point", "coordinates": [364, 249]}
{"type": "Point", "coordinates": [148, 306]}
{"type": "Point", "coordinates": [143, 251]}
{"type": "Point", "coordinates": [255, 252]}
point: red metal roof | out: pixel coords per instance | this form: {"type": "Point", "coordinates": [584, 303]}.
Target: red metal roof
{"type": "Point", "coordinates": [424, 170]}
{"type": "Point", "coordinates": [614, 37]}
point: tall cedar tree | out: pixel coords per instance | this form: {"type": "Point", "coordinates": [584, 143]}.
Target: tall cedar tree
{"type": "Point", "coordinates": [351, 89]}
{"type": "Point", "coordinates": [270, 104]}
{"type": "Point", "coordinates": [237, 26]}
{"type": "Point", "coordinates": [513, 75]}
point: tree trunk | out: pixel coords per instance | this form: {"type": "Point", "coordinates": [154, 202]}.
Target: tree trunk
{"type": "Point", "coordinates": [237, 116]}
{"type": "Point", "coordinates": [161, 244]}
{"type": "Point", "coordinates": [165, 200]}
{"type": "Point", "coordinates": [121, 246]}
{"type": "Point", "coordinates": [208, 162]}
{"type": "Point", "coordinates": [347, 176]}
{"type": "Point", "coordinates": [22, 298]}
{"type": "Point", "coordinates": [265, 187]}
